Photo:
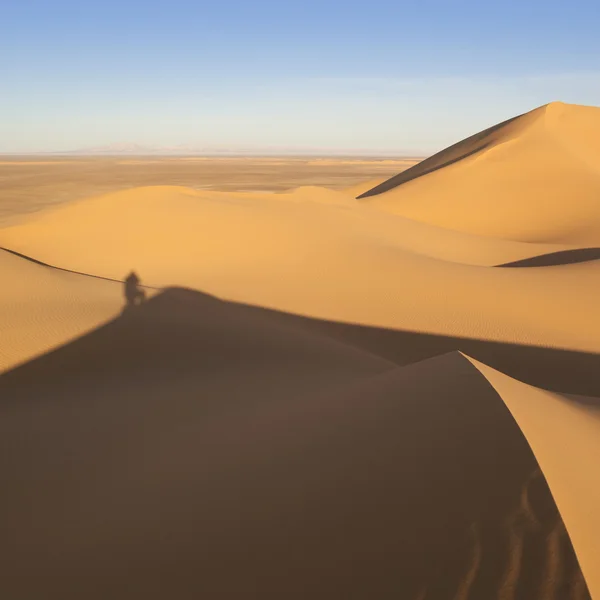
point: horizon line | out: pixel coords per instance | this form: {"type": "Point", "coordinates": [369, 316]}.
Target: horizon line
{"type": "Point", "coordinates": [400, 155]}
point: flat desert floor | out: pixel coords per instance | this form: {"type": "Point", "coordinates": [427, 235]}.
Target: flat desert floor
{"type": "Point", "coordinates": [29, 183]}
{"type": "Point", "coordinates": [337, 378]}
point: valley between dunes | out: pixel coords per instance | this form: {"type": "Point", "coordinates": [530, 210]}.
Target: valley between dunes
{"type": "Point", "coordinates": [390, 390]}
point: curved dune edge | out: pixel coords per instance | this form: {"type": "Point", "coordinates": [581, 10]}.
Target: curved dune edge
{"type": "Point", "coordinates": [184, 413]}
{"type": "Point", "coordinates": [35, 261]}
{"type": "Point", "coordinates": [555, 259]}
{"type": "Point", "coordinates": [564, 434]}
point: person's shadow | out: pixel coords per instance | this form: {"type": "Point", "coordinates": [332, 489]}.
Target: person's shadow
{"type": "Point", "coordinates": [134, 294]}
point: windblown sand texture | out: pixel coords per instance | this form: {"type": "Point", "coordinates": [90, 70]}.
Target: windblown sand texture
{"type": "Point", "coordinates": [395, 396]}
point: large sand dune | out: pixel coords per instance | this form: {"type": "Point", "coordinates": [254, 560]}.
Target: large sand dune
{"type": "Point", "coordinates": [390, 397]}
{"type": "Point", "coordinates": [535, 178]}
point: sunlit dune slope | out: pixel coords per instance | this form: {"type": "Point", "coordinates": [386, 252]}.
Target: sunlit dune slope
{"type": "Point", "coordinates": [245, 227]}
{"type": "Point", "coordinates": [564, 433]}
{"type": "Point", "coordinates": [323, 260]}
{"type": "Point", "coordinates": [201, 448]}
{"type": "Point", "coordinates": [535, 178]}
{"type": "Point", "coordinates": [41, 307]}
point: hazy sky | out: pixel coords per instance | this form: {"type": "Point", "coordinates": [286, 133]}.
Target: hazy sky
{"type": "Point", "coordinates": [406, 76]}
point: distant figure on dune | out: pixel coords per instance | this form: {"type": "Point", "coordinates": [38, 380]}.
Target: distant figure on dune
{"type": "Point", "coordinates": [134, 295]}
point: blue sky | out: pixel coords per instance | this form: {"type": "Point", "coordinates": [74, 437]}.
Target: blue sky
{"type": "Point", "coordinates": [397, 77]}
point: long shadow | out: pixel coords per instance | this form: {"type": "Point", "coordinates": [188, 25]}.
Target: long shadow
{"type": "Point", "coordinates": [193, 447]}
{"type": "Point", "coordinates": [199, 332]}
{"type": "Point", "coordinates": [553, 369]}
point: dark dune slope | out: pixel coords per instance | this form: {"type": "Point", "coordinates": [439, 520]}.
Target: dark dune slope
{"type": "Point", "coordinates": [199, 449]}
{"type": "Point", "coordinates": [555, 259]}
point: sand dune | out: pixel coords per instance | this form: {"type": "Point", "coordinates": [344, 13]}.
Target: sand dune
{"type": "Point", "coordinates": [322, 259]}
{"type": "Point", "coordinates": [535, 178]}
{"type": "Point", "coordinates": [217, 224]}
{"type": "Point", "coordinates": [375, 409]}
{"type": "Point", "coordinates": [215, 440]}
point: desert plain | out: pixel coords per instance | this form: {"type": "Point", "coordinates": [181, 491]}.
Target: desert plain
{"type": "Point", "coordinates": [367, 378]}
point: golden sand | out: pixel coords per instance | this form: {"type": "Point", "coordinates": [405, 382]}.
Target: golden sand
{"type": "Point", "coordinates": [395, 396]}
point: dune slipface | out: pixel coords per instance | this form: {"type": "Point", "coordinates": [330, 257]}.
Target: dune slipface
{"type": "Point", "coordinates": [389, 397]}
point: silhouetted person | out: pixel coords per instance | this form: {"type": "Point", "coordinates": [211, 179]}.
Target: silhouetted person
{"type": "Point", "coordinates": [134, 295]}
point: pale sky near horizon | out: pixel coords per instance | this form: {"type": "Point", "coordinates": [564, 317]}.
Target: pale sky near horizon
{"type": "Point", "coordinates": [406, 77]}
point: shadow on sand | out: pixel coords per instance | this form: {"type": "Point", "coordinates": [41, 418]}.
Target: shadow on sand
{"type": "Point", "coordinates": [197, 448]}
{"type": "Point", "coordinates": [220, 324]}
{"type": "Point", "coordinates": [554, 259]}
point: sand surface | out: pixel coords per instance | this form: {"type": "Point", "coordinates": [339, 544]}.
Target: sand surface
{"type": "Point", "coordinates": [395, 396]}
